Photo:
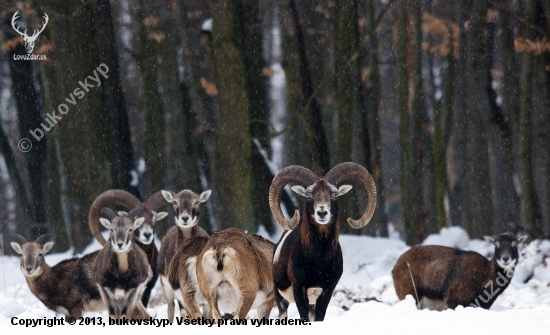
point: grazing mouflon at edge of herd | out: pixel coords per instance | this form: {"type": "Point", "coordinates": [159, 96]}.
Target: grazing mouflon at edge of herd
{"type": "Point", "coordinates": [232, 272]}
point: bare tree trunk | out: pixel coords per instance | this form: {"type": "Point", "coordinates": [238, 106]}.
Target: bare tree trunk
{"type": "Point", "coordinates": [411, 225]}
{"type": "Point", "coordinates": [541, 145]}
{"type": "Point", "coordinates": [349, 116]}
{"type": "Point", "coordinates": [259, 114]}
{"type": "Point", "coordinates": [372, 93]}
{"type": "Point", "coordinates": [150, 105]}
{"type": "Point", "coordinates": [459, 132]}
{"type": "Point", "coordinates": [500, 140]}
{"type": "Point", "coordinates": [544, 120]}
{"type": "Point", "coordinates": [231, 168]}
{"type": "Point", "coordinates": [303, 105]}
{"type": "Point", "coordinates": [29, 113]}
{"type": "Point", "coordinates": [480, 218]}
{"type": "Point", "coordinates": [120, 151]}
{"type": "Point", "coordinates": [422, 157]}
{"type": "Point", "coordinates": [81, 133]}
{"type": "Point", "coordinates": [525, 140]}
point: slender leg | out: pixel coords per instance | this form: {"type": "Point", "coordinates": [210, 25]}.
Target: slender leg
{"type": "Point", "coordinates": [311, 312]}
{"type": "Point", "coordinates": [213, 303]}
{"type": "Point", "coordinates": [190, 302]}
{"type": "Point", "coordinates": [322, 304]}
{"type": "Point", "coordinates": [302, 302]}
{"type": "Point", "coordinates": [244, 305]}
{"type": "Point", "coordinates": [169, 297]}
{"type": "Point", "coordinates": [282, 304]}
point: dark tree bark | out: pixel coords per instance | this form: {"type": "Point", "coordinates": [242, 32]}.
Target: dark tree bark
{"type": "Point", "coordinates": [373, 140]}
{"type": "Point", "coordinates": [81, 133]}
{"type": "Point", "coordinates": [459, 131]}
{"type": "Point", "coordinates": [303, 104]}
{"type": "Point", "coordinates": [259, 114]}
{"type": "Point", "coordinates": [231, 169]}
{"type": "Point", "coordinates": [150, 100]}
{"type": "Point", "coordinates": [120, 150]}
{"type": "Point", "coordinates": [525, 141]}
{"type": "Point", "coordinates": [500, 140]}
{"type": "Point", "coordinates": [406, 174]}
{"type": "Point", "coordinates": [480, 218]}
{"type": "Point", "coordinates": [29, 113]}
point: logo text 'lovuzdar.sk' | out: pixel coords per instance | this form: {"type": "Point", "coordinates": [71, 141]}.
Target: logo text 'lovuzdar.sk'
{"type": "Point", "coordinates": [29, 40]}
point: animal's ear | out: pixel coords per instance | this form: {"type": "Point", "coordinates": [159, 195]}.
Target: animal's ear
{"type": "Point", "coordinates": [122, 213]}
{"type": "Point", "coordinates": [138, 222]}
{"type": "Point", "coordinates": [205, 195]}
{"type": "Point", "coordinates": [522, 239]}
{"type": "Point", "coordinates": [300, 190]}
{"type": "Point", "coordinates": [16, 247]}
{"type": "Point", "coordinates": [168, 196]}
{"type": "Point", "coordinates": [47, 247]}
{"type": "Point", "coordinates": [343, 190]}
{"type": "Point", "coordinates": [106, 223]}
{"type": "Point", "coordinates": [161, 215]}
{"type": "Point", "coordinates": [489, 239]}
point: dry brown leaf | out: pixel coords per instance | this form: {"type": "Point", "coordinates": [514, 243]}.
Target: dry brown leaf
{"type": "Point", "coordinates": [209, 88]}
{"type": "Point", "coordinates": [12, 44]}
{"type": "Point", "coordinates": [151, 21]}
{"type": "Point", "coordinates": [157, 37]}
{"type": "Point", "coordinates": [267, 71]}
{"type": "Point", "coordinates": [535, 47]}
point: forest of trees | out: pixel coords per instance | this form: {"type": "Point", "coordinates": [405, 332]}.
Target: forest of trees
{"type": "Point", "coordinates": [446, 103]}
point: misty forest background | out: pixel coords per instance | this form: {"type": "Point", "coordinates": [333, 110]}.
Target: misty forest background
{"type": "Point", "coordinates": [446, 103]}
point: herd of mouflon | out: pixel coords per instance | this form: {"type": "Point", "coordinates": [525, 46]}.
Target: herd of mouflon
{"type": "Point", "coordinates": [232, 272]}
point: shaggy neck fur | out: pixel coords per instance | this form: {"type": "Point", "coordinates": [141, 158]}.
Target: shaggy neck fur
{"type": "Point", "coordinates": [122, 259]}
{"type": "Point", "coordinates": [318, 238]}
{"type": "Point", "coordinates": [185, 233]}
{"type": "Point", "coordinates": [507, 272]}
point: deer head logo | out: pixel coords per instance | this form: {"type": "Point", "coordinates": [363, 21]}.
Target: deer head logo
{"type": "Point", "coordinates": [29, 40]}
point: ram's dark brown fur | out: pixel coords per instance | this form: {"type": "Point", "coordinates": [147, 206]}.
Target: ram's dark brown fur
{"type": "Point", "coordinates": [446, 277]}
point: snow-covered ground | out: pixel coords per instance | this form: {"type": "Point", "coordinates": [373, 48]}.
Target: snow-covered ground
{"type": "Point", "coordinates": [364, 300]}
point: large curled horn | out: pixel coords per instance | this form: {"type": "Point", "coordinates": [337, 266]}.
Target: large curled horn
{"type": "Point", "coordinates": [108, 199]}
{"type": "Point", "coordinates": [135, 213]}
{"type": "Point", "coordinates": [350, 170]}
{"type": "Point", "coordinates": [155, 201]}
{"type": "Point", "coordinates": [293, 173]}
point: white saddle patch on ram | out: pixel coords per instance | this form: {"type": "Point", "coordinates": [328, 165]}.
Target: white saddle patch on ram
{"type": "Point", "coordinates": [280, 246]}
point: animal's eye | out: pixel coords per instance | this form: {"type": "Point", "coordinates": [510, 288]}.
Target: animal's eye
{"type": "Point", "coordinates": [40, 254]}
{"type": "Point", "coordinates": [131, 230]}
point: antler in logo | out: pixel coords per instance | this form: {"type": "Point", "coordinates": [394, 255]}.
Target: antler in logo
{"type": "Point", "coordinates": [29, 40]}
